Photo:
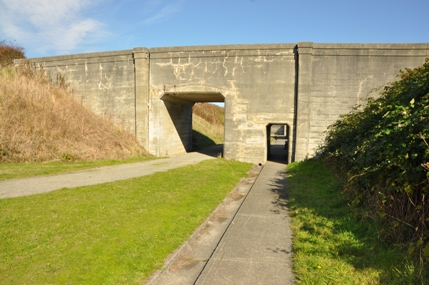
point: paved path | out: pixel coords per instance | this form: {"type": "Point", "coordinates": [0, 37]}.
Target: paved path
{"type": "Point", "coordinates": [257, 247]}
{"type": "Point", "coordinates": [35, 185]}
{"type": "Point", "coordinates": [247, 240]}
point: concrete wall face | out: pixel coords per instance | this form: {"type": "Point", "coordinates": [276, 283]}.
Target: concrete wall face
{"type": "Point", "coordinates": [141, 73]}
{"type": "Point", "coordinates": [256, 83]}
{"type": "Point", "coordinates": [339, 76]}
{"type": "Point", "coordinates": [305, 86]}
{"type": "Point", "coordinates": [102, 82]}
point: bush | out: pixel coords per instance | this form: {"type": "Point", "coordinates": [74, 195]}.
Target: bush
{"type": "Point", "coordinates": [10, 51]}
{"type": "Point", "coordinates": [383, 148]}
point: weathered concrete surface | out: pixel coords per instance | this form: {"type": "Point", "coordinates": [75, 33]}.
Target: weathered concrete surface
{"type": "Point", "coordinates": [304, 86]}
{"type": "Point", "coordinates": [103, 82]}
{"type": "Point", "coordinates": [256, 82]}
{"type": "Point", "coordinates": [334, 77]}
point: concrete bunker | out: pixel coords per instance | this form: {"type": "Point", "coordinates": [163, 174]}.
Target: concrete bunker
{"type": "Point", "coordinates": [179, 107]}
{"type": "Point", "coordinates": [278, 142]}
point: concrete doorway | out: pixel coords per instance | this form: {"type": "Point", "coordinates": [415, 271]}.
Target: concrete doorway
{"type": "Point", "coordinates": [278, 142]}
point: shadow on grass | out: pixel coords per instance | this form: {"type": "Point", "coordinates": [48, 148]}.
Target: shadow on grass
{"type": "Point", "coordinates": [200, 141]}
{"type": "Point", "coordinates": [324, 228]}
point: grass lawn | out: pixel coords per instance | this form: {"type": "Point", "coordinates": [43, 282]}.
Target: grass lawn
{"type": "Point", "coordinates": [113, 233]}
{"type": "Point", "coordinates": [333, 246]}
{"type": "Point", "coordinates": [21, 170]}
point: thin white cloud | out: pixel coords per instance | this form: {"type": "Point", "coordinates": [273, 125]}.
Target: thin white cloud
{"type": "Point", "coordinates": [163, 13]}
{"type": "Point", "coordinates": [49, 25]}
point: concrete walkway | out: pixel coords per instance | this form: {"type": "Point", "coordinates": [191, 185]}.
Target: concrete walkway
{"type": "Point", "coordinates": [256, 248]}
{"type": "Point", "coordinates": [247, 240]}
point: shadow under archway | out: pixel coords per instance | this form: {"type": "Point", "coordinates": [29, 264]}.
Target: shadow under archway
{"type": "Point", "coordinates": [214, 150]}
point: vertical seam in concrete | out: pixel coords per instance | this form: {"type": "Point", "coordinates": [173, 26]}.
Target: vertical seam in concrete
{"type": "Point", "coordinates": [295, 105]}
{"type": "Point", "coordinates": [135, 95]}
{"type": "Point", "coordinates": [148, 98]}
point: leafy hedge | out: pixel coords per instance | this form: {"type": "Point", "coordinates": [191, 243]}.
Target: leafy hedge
{"type": "Point", "coordinates": [383, 148]}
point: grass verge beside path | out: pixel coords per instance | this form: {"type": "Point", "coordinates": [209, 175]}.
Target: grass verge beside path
{"type": "Point", "coordinates": [112, 233]}
{"type": "Point", "coordinates": [22, 170]}
{"type": "Point", "coordinates": [331, 245]}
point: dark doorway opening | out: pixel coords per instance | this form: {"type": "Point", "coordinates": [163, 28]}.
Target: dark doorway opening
{"type": "Point", "coordinates": [278, 142]}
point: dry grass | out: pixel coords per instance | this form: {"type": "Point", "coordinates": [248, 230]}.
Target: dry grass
{"type": "Point", "coordinates": [40, 121]}
{"type": "Point", "coordinates": [209, 112]}
{"type": "Point", "coordinates": [208, 120]}
{"type": "Point", "coordinates": [10, 51]}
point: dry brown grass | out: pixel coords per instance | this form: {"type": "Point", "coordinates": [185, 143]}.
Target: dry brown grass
{"type": "Point", "coordinates": [208, 120]}
{"type": "Point", "coordinates": [40, 121]}
{"type": "Point", "coordinates": [10, 51]}
{"type": "Point", "coordinates": [209, 112]}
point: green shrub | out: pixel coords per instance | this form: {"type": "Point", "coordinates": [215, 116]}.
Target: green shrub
{"type": "Point", "coordinates": [383, 148]}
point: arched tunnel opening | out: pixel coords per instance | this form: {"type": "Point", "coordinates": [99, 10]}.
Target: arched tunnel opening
{"type": "Point", "coordinates": [278, 142]}
{"type": "Point", "coordinates": [180, 108]}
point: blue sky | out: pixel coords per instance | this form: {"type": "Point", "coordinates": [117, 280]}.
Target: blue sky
{"type": "Point", "coordinates": [57, 27]}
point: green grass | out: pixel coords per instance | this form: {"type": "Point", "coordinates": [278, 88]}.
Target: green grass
{"type": "Point", "coordinates": [22, 170]}
{"type": "Point", "coordinates": [333, 246]}
{"type": "Point", "coordinates": [113, 233]}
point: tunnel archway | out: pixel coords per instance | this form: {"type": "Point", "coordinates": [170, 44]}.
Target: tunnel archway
{"type": "Point", "coordinates": [179, 106]}
{"type": "Point", "coordinates": [278, 142]}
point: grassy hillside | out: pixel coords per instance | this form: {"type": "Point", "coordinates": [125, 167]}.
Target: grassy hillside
{"type": "Point", "coordinates": [207, 125]}
{"type": "Point", "coordinates": [40, 121]}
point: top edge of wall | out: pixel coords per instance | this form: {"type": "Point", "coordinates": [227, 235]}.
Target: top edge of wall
{"type": "Point", "coordinates": [82, 55]}
{"type": "Point", "coordinates": [222, 47]}
{"type": "Point", "coordinates": [404, 46]}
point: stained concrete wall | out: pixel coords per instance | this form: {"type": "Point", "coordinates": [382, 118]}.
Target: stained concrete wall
{"type": "Point", "coordinates": [256, 82]}
{"type": "Point", "coordinates": [304, 86]}
{"type": "Point", "coordinates": [334, 77]}
{"type": "Point", "coordinates": [103, 82]}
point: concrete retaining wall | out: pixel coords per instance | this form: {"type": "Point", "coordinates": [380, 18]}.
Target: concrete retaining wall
{"type": "Point", "coordinates": [256, 82]}
{"type": "Point", "coordinates": [334, 77]}
{"type": "Point", "coordinates": [305, 87]}
{"type": "Point", "coordinates": [103, 82]}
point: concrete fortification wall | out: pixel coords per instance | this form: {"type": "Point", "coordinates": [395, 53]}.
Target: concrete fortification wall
{"type": "Point", "coordinates": [305, 87]}
{"type": "Point", "coordinates": [103, 82]}
{"type": "Point", "coordinates": [335, 77]}
{"type": "Point", "coordinates": [256, 82]}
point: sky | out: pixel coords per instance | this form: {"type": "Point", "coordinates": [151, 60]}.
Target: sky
{"type": "Point", "coordinates": [60, 27]}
